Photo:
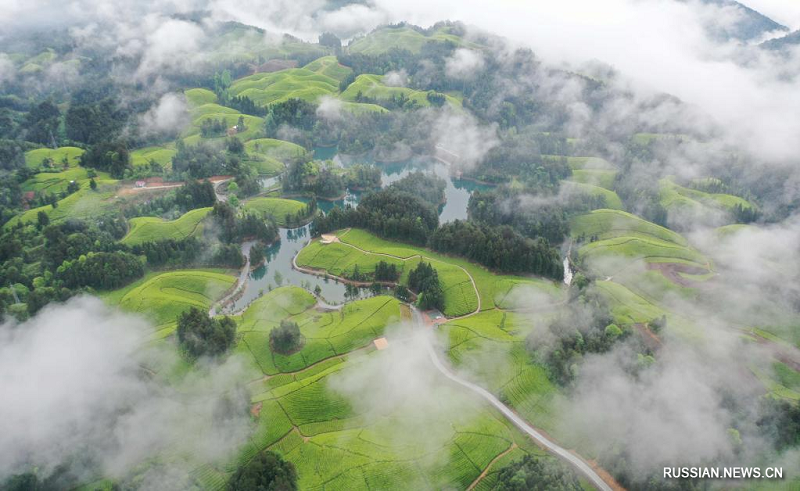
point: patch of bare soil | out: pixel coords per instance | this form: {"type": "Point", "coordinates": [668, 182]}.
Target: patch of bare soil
{"type": "Point", "coordinates": [671, 272]}
{"type": "Point", "coordinates": [649, 338]}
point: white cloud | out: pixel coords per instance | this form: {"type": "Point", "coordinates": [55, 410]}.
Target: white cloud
{"type": "Point", "coordinates": [74, 385]}
{"type": "Point", "coordinates": [170, 115]}
{"type": "Point", "coordinates": [464, 64]}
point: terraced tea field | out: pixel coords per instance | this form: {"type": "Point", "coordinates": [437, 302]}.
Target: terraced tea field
{"type": "Point", "coordinates": [148, 229]}
{"type": "Point", "coordinates": [162, 297]}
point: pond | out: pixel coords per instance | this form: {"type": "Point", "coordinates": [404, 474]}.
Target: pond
{"type": "Point", "coordinates": [278, 271]}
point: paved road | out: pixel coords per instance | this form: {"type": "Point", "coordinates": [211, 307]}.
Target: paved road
{"type": "Point", "coordinates": [548, 444]}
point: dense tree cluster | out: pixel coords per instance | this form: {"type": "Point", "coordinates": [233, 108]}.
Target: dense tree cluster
{"type": "Point", "coordinates": [267, 471]}
{"type": "Point", "coordinates": [112, 157]}
{"type": "Point", "coordinates": [526, 216]}
{"type": "Point", "coordinates": [389, 213]}
{"type": "Point", "coordinates": [94, 122]}
{"type": "Point", "coordinates": [499, 248]}
{"type": "Point", "coordinates": [234, 227]}
{"type": "Point", "coordinates": [429, 187]}
{"type": "Point", "coordinates": [330, 40]}
{"type": "Point", "coordinates": [87, 255]}
{"type": "Point", "coordinates": [212, 127]}
{"type": "Point", "coordinates": [285, 338]}
{"type": "Point", "coordinates": [41, 123]}
{"type": "Point", "coordinates": [245, 105]}
{"type": "Point", "coordinates": [780, 421]}
{"type": "Point", "coordinates": [583, 326]}
{"type": "Point", "coordinates": [520, 156]}
{"type": "Point", "coordinates": [424, 280]}
{"type": "Point", "coordinates": [104, 270]}
{"type": "Point", "coordinates": [363, 177]}
{"type": "Point", "coordinates": [386, 272]}
{"type": "Point", "coordinates": [296, 113]}
{"type": "Point", "coordinates": [204, 160]}
{"type": "Point", "coordinates": [326, 181]}
{"type": "Point", "coordinates": [201, 335]}
{"type": "Point", "coordinates": [536, 474]}
{"type": "Point", "coordinates": [313, 177]}
{"type": "Point", "coordinates": [12, 154]}
{"type": "Point", "coordinates": [194, 194]}
{"type": "Point", "coordinates": [169, 252]}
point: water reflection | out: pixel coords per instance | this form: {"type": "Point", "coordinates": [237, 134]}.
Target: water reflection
{"type": "Point", "coordinates": [278, 271]}
{"type": "Point", "coordinates": [457, 191]}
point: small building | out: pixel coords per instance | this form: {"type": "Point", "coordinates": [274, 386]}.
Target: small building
{"type": "Point", "coordinates": [381, 343]}
{"type": "Point", "coordinates": [233, 130]}
{"type": "Point", "coordinates": [141, 184]}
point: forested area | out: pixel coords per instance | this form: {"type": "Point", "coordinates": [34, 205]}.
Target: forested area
{"type": "Point", "coordinates": [499, 248]}
{"type": "Point", "coordinates": [390, 213]}
{"type": "Point", "coordinates": [537, 149]}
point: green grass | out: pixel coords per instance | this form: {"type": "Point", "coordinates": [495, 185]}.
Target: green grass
{"type": "Point", "coordinates": [387, 38]}
{"type": "Point", "coordinates": [372, 86]}
{"type": "Point", "coordinates": [162, 297]}
{"type": "Point", "coordinates": [56, 182]}
{"type": "Point", "coordinates": [280, 150]}
{"type": "Point", "coordinates": [596, 177]}
{"type": "Point", "coordinates": [607, 224]}
{"type": "Point", "coordinates": [84, 203]}
{"type": "Point", "coordinates": [34, 158]}
{"type": "Point", "coordinates": [147, 229]}
{"type": "Point", "coordinates": [277, 208]}
{"type": "Point", "coordinates": [330, 67]}
{"type": "Point", "coordinates": [359, 108]}
{"type": "Point", "coordinates": [300, 83]}
{"type": "Point", "coordinates": [612, 201]}
{"type": "Point", "coordinates": [640, 248]}
{"type": "Point", "coordinates": [160, 155]}
{"type": "Point", "coordinates": [460, 298]}
{"type": "Point", "coordinates": [198, 97]}
{"type": "Point", "coordinates": [626, 306]}
{"type": "Point", "coordinates": [340, 260]}
{"type": "Point", "coordinates": [673, 197]}
{"type": "Point", "coordinates": [326, 334]}
{"type": "Point", "coordinates": [254, 124]}
{"type": "Point", "coordinates": [212, 108]}
{"type": "Point", "coordinates": [265, 166]}
{"type": "Point", "coordinates": [339, 446]}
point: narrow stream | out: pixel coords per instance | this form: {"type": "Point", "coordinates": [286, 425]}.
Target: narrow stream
{"type": "Point", "coordinates": [567, 272]}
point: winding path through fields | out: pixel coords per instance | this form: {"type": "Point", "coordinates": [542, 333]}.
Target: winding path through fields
{"type": "Point", "coordinates": [578, 463]}
{"type": "Point", "coordinates": [572, 459]}
{"type": "Point", "coordinates": [520, 423]}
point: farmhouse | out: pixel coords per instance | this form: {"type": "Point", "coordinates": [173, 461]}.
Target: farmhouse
{"type": "Point", "coordinates": [381, 343]}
